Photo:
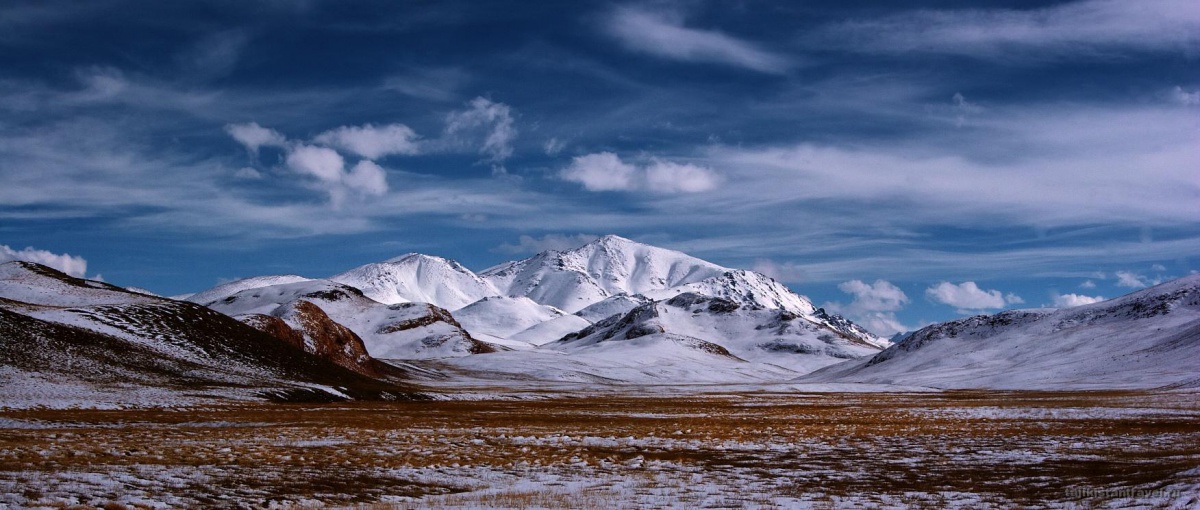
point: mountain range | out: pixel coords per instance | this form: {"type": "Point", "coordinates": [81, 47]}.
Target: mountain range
{"type": "Point", "coordinates": [611, 311]}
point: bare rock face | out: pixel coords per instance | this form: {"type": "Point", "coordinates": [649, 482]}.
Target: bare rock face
{"type": "Point", "coordinates": [275, 327]}
{"type": "Point", "coordinates": [305, 325]}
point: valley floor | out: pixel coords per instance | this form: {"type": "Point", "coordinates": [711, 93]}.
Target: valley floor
{"type": "Point", "coordinates": [964, 449]}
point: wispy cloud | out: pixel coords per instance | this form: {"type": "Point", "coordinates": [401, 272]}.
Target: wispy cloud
{"type": "Point", "coordinates": [530, 244]}
{"type": "Point", "coordinates": [433, 84]}
{"type": "Point", "coordinates": [254, 136]}
{"type": "Point", "coordinates": [1083, 28]}
{"type": "Point", "coordinates": [493, 121]}
{"type": "Point", "coordinates": [213, 56]}
{"type": "Point", "coordinates": [662, 33]}
{"type": "Point", "coordinates": [605, 171]}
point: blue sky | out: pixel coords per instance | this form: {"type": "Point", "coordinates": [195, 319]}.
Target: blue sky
{"type": "Point", "coordinates": [900, 164]}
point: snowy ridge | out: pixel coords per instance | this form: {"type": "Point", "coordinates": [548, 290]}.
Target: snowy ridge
{"type": "Point", "coordinates": [419, 278]}
{"type": "Point", "coordinates": [397, 331]}
{"type": "Point", "coordinates": [1147, 339]}
{"type": "Point", "coordinates": [721, 326]}
{"type": "Point", "coordinates": [571, 280]}
{"type": "Point", "coordinates": [228, 289]}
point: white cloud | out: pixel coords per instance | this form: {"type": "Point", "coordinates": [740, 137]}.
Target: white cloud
{"type": "Point", "coordinates": [493, 120]}
{"type": "Point", "coordinates": [368, 178]}
{"type": "Point", "coordinates": [70, 264]}
{"type": "Point", "coordinates": [874, 306]}
{"type": "Point", "coordinates": [530, 244]}
{"type": "Point", "coordinates": [1073, 300]}
{"type": "Point", "coordinates": [365, 178]}
{"type": "Point", "coordinates": [1082, 28]}
{"type": "Point", "coordinates": [668, 177]}
{"type": "Point", "coordinates": [1087, 284]}
{"type": "Point", "coordinates": [1131, 280]}
{"type": "Point", "coordinates": [1159, 267]}
{"type": "Point", "coordinates": [1021, 167]}
{"type": "Point", "coordinates": [663, 34]}
{"type": "Point", "coordinates": [604, 171]}
{"type": "Point", "coordinates": [320, 162]}
{"type": "Point", "coordinates": [371, 142]}
{"type": "Point", "coordinates": [968, 296]}
{"type": "Point", "coordinates": [881, 296]}
{"type": "Point", "coordinates": [1013, 299]}
{"type": "Point", "coordinates": [254, 136]}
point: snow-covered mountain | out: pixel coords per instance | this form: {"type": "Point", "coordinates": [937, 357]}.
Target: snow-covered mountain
{"type": "Point", "coordinates": [611, 265]}
{"type": "Point", "coordinates": [418, 278]}
{"type": "Point", "coordinates": [517, 305]}
{"type": "Point", "coordinates": [501, 316]}
{"type": "Point", "coordinates": [721, 326]}
{"type": "Point", "coordinates": [397, 331]}
{"type": "Point", "coordinates": [1147, 339]}
{"type": "Point", "coordinates": [69, 341]}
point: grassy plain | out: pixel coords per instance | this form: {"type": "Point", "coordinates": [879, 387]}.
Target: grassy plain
{"type": "Point", "coordinates": [757, 449]}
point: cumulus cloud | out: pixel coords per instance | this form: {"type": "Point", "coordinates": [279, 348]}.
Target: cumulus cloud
{"type": "Point", "coordinates": [605, 171]}
{"type": "Point", "coordinates": [662, 34]}
{"type": "Point", "coordinates": [874, 305]}
{"type": "Point", "coordinates": [530, 244]}
{"type": "Point", "coordinates": [320, 162]}
{"type": "Point", "coordinates": [1087, 284]}
{"type": "Point", "coordinates": [70, 264]}
{"type": "Point", "coordinates": [968, 297]}
{"type": "Point", "coordinates": [365, 178]}
{"type": "Point", "coordinates": [368, 178]}
{"type": "Point", "coordinates": [1131, 280]}
{"type": "Point", "coordinates": [371, 142]}
{"type": "Point", "coordinates": [1073, 300]}
{"type": "Point", "coordinates": [254, 136]}
{"type": "Point", "coordinates": [494, 121]}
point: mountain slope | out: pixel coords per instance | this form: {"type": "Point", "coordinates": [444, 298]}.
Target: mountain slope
{"type": "Point", "coordinates": [68, 341]}
{"type": "Point", "coordinates": [420, 279]}
{"type": "Point", "coordinates": [725, 327]}
{"type": "Point", "coordinates": [573, 279]}
{"type": "Point", "coordinates": [1147, 339]}
{"type": "Point", "coordinates": [397, 331]}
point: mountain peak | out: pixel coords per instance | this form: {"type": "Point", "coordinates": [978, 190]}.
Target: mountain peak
{"type": "Point", "coordinates": [416, 277]}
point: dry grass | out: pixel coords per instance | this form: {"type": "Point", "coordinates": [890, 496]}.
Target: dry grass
{"type": "Point", "coordinates": [941, 450]}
